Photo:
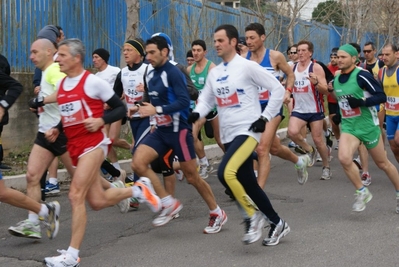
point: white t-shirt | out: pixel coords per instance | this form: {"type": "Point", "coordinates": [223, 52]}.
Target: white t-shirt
{"type": "Point", "coordinates": [109, 74]}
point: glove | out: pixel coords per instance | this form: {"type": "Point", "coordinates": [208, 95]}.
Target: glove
{"type": "Point", "coordinates": [36, 102]}
{"type": "Point", "coordinates": [336, 119]}
{"type": "Point", "coordinates": [258, 126]}
{"type": "Point", "coordinates": [193, 117]}
{"type": "Point", "coordinates": [355, 102]}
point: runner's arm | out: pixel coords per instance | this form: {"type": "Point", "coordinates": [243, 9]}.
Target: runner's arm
{"type": "Point", "coordinates": [117, 112]}
{"type": "Point", "coordinates": [366, 80]}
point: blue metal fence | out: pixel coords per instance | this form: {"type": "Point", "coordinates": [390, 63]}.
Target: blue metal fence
{"type": "Point", "coordinates": [102, 23]}
{"type": "Point", "coordinates": [98, 23]}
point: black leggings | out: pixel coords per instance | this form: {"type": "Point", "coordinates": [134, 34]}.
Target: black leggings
{"type": "Point", "coordinates": [236, 172]}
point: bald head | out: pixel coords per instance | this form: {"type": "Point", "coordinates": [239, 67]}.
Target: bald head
{"type": "Point", "coordinates": [45, 44]}
{"type": "Point", "coordinates": [42, 52]}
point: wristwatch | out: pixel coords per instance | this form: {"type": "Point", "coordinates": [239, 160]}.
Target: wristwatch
{"type": "Point", "coordinates": [264, 118]}
{"type": "Point", "coordinates": [158, 110]}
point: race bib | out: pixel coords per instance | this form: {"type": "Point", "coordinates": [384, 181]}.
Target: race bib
{"type": "Point", "coordinates": [263, 94]}
{"type": "Point", "coordinates": [163, 120]}
{"type": "Point", "coordinates": [133, 96]}
{"type": "Point", "coordinates": [226, 97]}
{"type": "Point", "coordinates": [392, 103]}
{"type": "Point", "coordinates": [347, 111]}
{"type": "Point", "coordinates": [301, 87]}
{"type": "Point", "coordinates": [71, 113]}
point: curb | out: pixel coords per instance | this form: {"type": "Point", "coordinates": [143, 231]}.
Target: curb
{"type": "Point", "coordinates": [212, 151]}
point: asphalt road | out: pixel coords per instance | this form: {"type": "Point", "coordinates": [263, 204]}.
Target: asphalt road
{"type": "Point", "coordinates": [324, 230]}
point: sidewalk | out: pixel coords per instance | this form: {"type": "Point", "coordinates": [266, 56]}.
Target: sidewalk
{"type": "Point", "coordinates": [212, 151]}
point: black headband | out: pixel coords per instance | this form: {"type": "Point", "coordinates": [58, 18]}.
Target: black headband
{"type": "Point", "coordinates": [136, 45]}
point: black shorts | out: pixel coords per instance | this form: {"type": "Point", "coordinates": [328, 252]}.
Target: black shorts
{"type": "Point", "coordinates": [332, 108]}
{"type": "Point", "coordinates": [211, 115]}
{"type": "Point", "coordinates": [58, 148]}
{"type": "Point", "coordinates": [164, 164]}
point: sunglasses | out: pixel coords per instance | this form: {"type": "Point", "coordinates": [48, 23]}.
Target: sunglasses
{"type": "Point", "coordinates": [367, 51]}
{"type": "Point", "coordinates": [293, 53]}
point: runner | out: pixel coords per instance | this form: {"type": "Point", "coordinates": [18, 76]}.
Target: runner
{"type": "Point", "coordinates": [274, 62]}
{"type": "Point", "coordinates": [198, 74]}
{"type": "Point", "coordinates": [310, 85]}
{"type": "Point", "coordinates": [358, 93]}
{"type": "Point", "coordinates": [233, 87]}
{"type": "Point", "coordinates": [169, 103]}
{"type": "Point", "coordinates": [43, 152]}
{"type": "Point", "coordinates": [81, 108]}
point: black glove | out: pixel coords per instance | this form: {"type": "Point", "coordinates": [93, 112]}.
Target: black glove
{"type": "Point", "coordinates": [193, 117]}
{"type": "Point", "coordinates": [355, 102]}
{"type": "Point", "coordinates": [336, 119]}
{"type": "Point", "coordinates": [36, 102]}
{"type": "Point", "coordinates": [258, 126]}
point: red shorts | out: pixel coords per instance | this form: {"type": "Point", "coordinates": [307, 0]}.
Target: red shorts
{"type": "Point", "coordinates": [87, 143]}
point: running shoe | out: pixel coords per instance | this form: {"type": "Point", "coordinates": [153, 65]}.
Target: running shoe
{"type": "Point", "coordinates": [148, 195]}
{"type": "Point", "coordinates": [276, 232]}
{"type": "Point", "coordinates": [366, 179]}
{"type": "Point", "coordinates": [292, 144]}
{"type": "Point", "coordinates": [300, 150]}
{"type": "Point", "coordinates": [51, 189]}
{"type": "Point", "coordinates": [205, 170]}
{"type": "Point", "coordinates": [326, 173]}
{"type": "Point", "coordinates": [312, 156]}
{"type": "Point", "coordinates": [124, 204]}
{"type": "Point", "coordinates": [134, 204]}
{"type": "Point", "coordinates": [253, 228]}
{"type": "Point", "coordinates": [167, 214]}
{"type": "Point", "coordinates": [26, 229]}
{"type": "Point", "coordinates": [63, 260]}
{"type": "Point", "coordinates": [52, 221]}
{"type": "Point", "coordinates": [358, 163]}
{"type": "Point", "coordinates": [302, 171]}
{"type": "Point", "coordinates": [362, 198]}
{"type": "Point", "coordinates": [215, 223]}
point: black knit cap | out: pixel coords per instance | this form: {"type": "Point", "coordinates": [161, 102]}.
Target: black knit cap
{"type": "Point", "coordinates": [104, 54]}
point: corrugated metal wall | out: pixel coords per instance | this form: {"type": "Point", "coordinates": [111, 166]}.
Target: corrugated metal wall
{"type": "Point", "coordinates": [98, 23]}
{"type": "Point", "coordinates": [102, 23]}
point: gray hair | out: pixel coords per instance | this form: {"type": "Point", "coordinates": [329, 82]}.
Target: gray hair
{"type": "Point", "coordinates": [76, 47]}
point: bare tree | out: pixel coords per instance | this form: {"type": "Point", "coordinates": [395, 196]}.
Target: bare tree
{"type": "Point", "coordinates": [133, 7]}
{"type": "Point", "coordinates": [388, 18]}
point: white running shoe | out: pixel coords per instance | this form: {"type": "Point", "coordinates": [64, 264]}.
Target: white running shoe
{"type": "Point", "coordinates": [302, 172]}
{"type": "Point", "coordinates": [362, 198]}
{"type": "Point", "coordinates": [253, 228]}
{"type": "Point", "coordinates": [276, 232]}
{"type": "Point", "coordinates": [215, 223]}
{"type": "Point", "coordinates": [63, 260]}
{"type": "Point", "coordinates": [167, 214]}
{"type": "Point", "coordinates": [148, 195]}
